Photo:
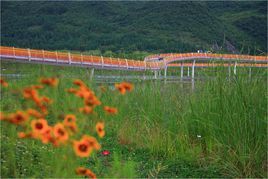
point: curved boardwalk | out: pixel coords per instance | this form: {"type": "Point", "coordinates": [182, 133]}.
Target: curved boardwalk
{"type": "Point", "coordinates": [153, 62]}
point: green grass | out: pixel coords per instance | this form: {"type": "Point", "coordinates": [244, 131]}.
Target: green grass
{"type": "Point", "coordinates": [216, 130]}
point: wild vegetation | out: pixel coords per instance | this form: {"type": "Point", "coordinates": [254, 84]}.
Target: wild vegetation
{"type": "Point", "coordinates": [59, 121]}
{"type": "Point", "coordinates": [216, 130]}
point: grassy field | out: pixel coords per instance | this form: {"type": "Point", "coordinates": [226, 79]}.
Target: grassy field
{"type": "Point", "coordinates": [219, 129]}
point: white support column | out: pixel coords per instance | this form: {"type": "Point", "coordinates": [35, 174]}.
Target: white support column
{"type": "Point", "coordinates": [250, 72]}
{"type": "Point", "coordinates": [193, 81]}
{"type": "Point", "coordinates": [92, 74]}
{"type": "Point", "coordinates": [229, 70]}
{"type": "Point", "coordinates": [165, 72]}
{"type": "Point", "coordinates": [102, 62]}
{"type": "Point", "coordinates": [43, 52]}
{"type": "Point", "coordinates": [155, 74]}
{"type": "Point", "coordinates": [57, 58]}
{"type": "Point", "coordinates": [181, 70]}
{"type": "Point", "coordinates": [29, 54]}
{"type": "Point", "coordinates": [188, 71]}
{"type": "Point", "coordinates": [193, 67]}
{"type": "Point", "coordinates": [126, 63]}
{"type": "Point", "coordinates": [235, 68]}
{"type": "Point", "coordinates": [91, 59]}
{"type": "Point", "coordinates": [69, 56]}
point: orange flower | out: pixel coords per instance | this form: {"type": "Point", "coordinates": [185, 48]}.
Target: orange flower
{"type": "Point", "coordinates": [47, 135]}
{"type": "Point", "coordinates": [69, 122]}
{"type": "Point", "coordinates": [92, 101]}
{"type": "Point", "coordinates": [3, 82]}
{"type": "Point", "coordinates": [123, 87]}
{"type": "Point", "coordinates": [37, 86]}
{"type": "Point", "coordinates": [60, 133]}
{"type": "Point", "coordinates": [120, 88]}
{"type": "Point", "coordinates": [82, 148]}
{"type": "Point", "coordinates": [23, 135]}
{"type": "Point", "coordinates": [79, 82]}
{"type": "Point", "coordinates": [100, 129]}
{"type": "Point", "coordinates": [110, 110]}
{"type": "Point", "coordinates": [85, 172]}
{"type": "Point", "coordinates": [127, 86]}
{"type": "Point", "coordinates": [19, 117]}
{"type": "Point", "coordinates": [39, 126]}
{"type": "Point", "coordinates": [2, 116]}
{"type": "Point", "coordinates": [43, 108]}
{"type": "Point", "coordinates": [71, 90]}
{"type": "Point", "coordinates": [50, 81]}
{"type": "Point", "coordinates": [84, 92]}
{"type": "Point", "coordinates": [92, 142]}
{"type": "Point", "coordinates": [30, 93]}
{"type": "Point", "coordinates": [86, 110]}
{"type": "Point", "coordinates": [34, 113]}
{"type": "Point", "coordinates": [72, 127]}
{"type": "Point", "coordinates": [70, 118]}
{"type": "Point", "coordinates": [46, 100]}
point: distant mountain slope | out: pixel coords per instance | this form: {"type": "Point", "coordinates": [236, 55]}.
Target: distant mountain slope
{"type": "Point", "coordinates": [136, 26]}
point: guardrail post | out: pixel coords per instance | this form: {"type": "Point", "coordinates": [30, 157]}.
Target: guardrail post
{"type": "Point", "coordinates": [43, 52]}
{"type": "Point", "coordinates": [188, 71]}
{"type": "Point", "coordinates": [144, 65]}
{"type": "Point", "coordinates": [29, 54]}
{"type": "Point", "coordinates": [57, 58]}
{"type": "Point", "coordinates": [69, 56]}
{"type": "Point", "coordinates": [126, 63]}
{"type": "Point", "coordinates": [13, 52]}
{"type": "Point", "coordinates": [235, 68]}
{"type": "Point", "coordinates": [91, 59]}
{"type": "Point", "coordinates": [119, 63]}
{"type": "Point", "coordinates": [102, 62]}
{"type": "Point", "coordinates": [155, 74]}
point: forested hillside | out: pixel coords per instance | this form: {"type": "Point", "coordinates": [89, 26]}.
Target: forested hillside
{"type": "Point", "coordinates": [127, 27]}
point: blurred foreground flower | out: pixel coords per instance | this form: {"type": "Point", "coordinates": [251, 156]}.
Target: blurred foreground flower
{"type": "Point", "coordinates": [100, 129]}
{"type": "Point", "coordinates": [50, 81]}
{"type": "Point", "coordinates": [123, 87]}
{"type": "Point", "coordinates": [64, 133]}
{"type": "Point", "coordinates": [85, 172]}
{"type": "Point", "coordinates": [3, 82]}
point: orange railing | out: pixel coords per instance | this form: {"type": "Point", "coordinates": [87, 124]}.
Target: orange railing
{"type": "Point", "coordinates": [150, 63]}
{"type": "Point", "coordinates": [61, 57]}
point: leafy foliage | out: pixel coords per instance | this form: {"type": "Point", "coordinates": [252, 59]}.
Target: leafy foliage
{"type": "Point", "coordinates": [125, 27]}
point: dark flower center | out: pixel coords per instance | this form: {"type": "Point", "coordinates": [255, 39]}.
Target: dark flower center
{"type": "Point", "coordinates": [39, 126]}
{"type": "Point", "coordinates": [83, 147]}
